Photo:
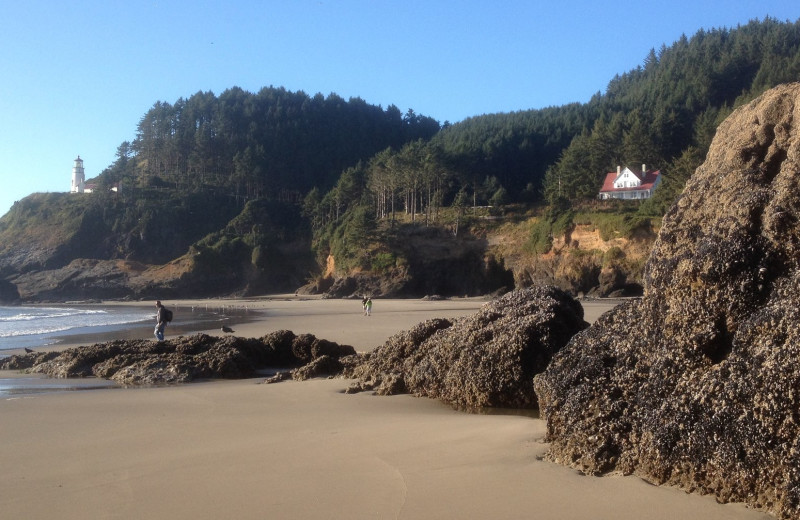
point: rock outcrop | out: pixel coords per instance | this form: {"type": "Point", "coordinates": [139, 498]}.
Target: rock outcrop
{"type": "Point", "coordinates": [696, 385]}
{"type": "Point", "coordinates": [487, 359]}
{"type": "Point", "coordinates": [8, 293]}
{"type": "Point", "coordinates": [184, 359]}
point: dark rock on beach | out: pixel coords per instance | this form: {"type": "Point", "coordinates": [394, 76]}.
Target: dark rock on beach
{"type": "Point", "coordinates": [696, 384]}
{"type": "Point", "coordinates": [487, 359]}
{"type": "Point", "coordinates": [183, 359]}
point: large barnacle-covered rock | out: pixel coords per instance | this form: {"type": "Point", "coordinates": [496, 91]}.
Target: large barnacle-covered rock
{"type": "Point", "coordinates": [698, 383]}
{"type": "Point", "coordinates": [486, 359]}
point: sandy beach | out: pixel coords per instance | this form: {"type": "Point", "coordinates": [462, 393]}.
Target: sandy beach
{"type": "Point", "coordinates": [305, 450]}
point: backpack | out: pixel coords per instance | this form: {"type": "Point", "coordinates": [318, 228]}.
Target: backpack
{"type": "Point", "coordinates": [167, 315]}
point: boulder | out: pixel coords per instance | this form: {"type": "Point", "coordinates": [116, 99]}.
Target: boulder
{"type": "Point", "coordinates": [696, 384]}
{"type": "Point", "coordinates": [323, 366]}
{"type": "Point", "coordinates": [487, 359]}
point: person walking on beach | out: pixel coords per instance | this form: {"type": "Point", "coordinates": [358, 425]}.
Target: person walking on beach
{"type": "Point", "coordinates": [161, 321]}
{"type": "Point", "coordinates": [364, 305]}
{"type": "Point", "coordinates": [368, 307]}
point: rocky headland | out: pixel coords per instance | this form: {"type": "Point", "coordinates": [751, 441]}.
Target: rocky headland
{"type": "Point", "coordinates": [696, 384]}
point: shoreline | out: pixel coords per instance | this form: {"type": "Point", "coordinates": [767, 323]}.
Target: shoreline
{"type": "Point", "coordinates": [201, 318]}
{"type": "Point", "coordinates": [341, 319]}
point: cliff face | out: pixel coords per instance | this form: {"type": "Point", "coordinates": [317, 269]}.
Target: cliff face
{"type": "Point", "coordinates": [431, 262]}
{"type": "Point", "coordinates": [580, 261]}
{"type": "Point", "coordinates": [48, 231]}
{"type": "Point", "coordinates": [69, 246]}
{"type": "Point", "coordinates": [696, 384]}
{"type": "Point", "coordinates": [495, 259]}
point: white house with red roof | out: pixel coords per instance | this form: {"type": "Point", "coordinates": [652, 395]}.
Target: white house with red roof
{"type": "Point", "coordinates": [628, 184]}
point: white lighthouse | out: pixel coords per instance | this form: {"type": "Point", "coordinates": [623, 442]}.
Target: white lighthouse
{"type": "Point", "coordinates": [78, 177]}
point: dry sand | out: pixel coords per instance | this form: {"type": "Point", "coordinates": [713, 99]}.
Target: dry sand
{"type": "Point", "coordinates": [244, 450]}
{"type": "Point", "coordinates": [343, 321]}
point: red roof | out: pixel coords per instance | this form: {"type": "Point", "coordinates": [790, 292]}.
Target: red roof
{"type": "Point", "coordinates": [648, 181]}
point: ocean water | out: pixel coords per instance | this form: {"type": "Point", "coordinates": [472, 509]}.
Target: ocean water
{"type": "Point", "coordinates": [41, 326]}
{"type": "Point", "coordinates": [22, 327]}
{"type": "Point", "coordinates": [19, 387]}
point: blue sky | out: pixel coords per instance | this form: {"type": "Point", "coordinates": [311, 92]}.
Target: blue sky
{"type": "Point", "coordinates": [78, 76]}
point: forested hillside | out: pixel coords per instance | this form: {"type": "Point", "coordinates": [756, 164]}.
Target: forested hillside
{"type": "Point", "coordinates": [193, 167]}
{"type": "Point", "coordinates": [357, 183]}
{"type": "Point", "coordinates": [663, 114]}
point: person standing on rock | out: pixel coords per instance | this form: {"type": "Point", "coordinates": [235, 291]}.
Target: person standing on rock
{"type": "Point", "coordinates": [161, 321]}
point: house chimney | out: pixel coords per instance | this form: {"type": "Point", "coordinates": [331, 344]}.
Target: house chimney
{"type": "Point", "coordinates": [619, 170]}
{"type": "Point", "coordinates": [644, 169]}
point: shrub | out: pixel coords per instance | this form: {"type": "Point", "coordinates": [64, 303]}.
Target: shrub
{"type": "Point", "coordinates": [541, 239]}
{"type": "Point", "coordinates": [383, 262]}
{"type": "Point", "coordinates": [350, 239]}
{"type": "Point", "coordinates": [553, 223]}
{"type": "Point", "coordinates": [613, 256]}
{"type": "Point", "coordinates": [614, 225]}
